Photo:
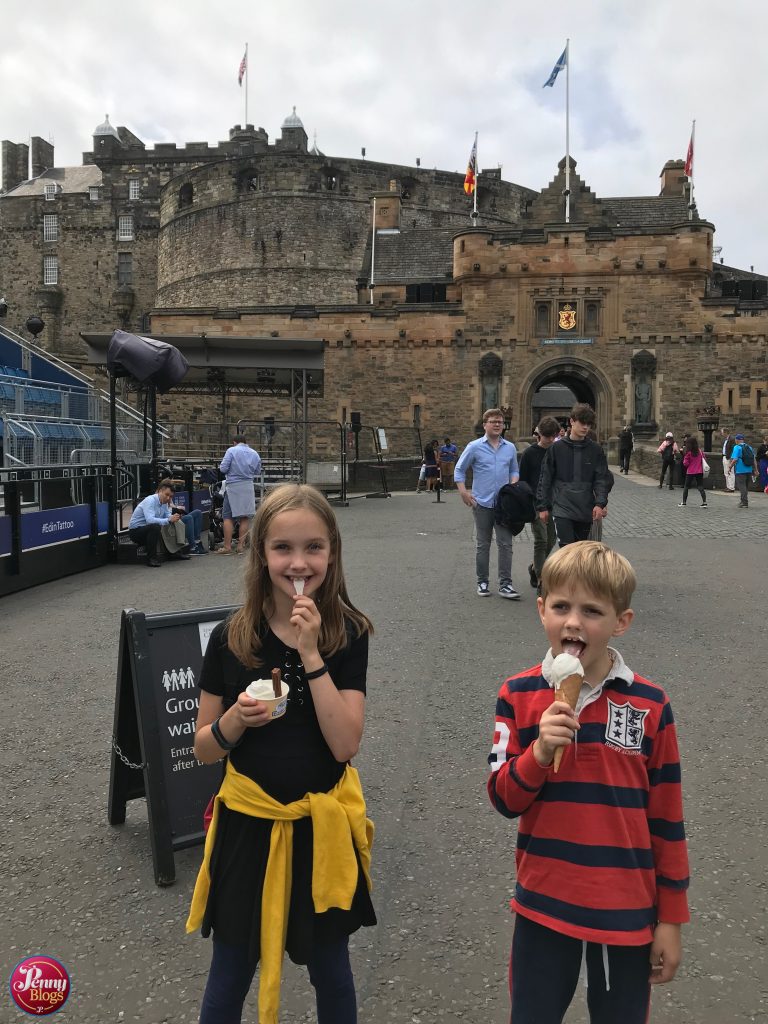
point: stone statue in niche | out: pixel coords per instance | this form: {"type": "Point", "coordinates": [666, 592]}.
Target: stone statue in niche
{"type": "Point", "coordinates": [643, 373]}
{"type": "Point", "coordinates": [643, 394]}
{"type": "Point", "coordinates": [489, 369]}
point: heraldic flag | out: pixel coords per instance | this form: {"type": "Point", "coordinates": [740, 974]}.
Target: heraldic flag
{"type": "Point", "coordinates": [689, 159]}
{"type": "Point", "coordinates": [561, 63]}
{"type": "Point", "coordinates": [469, 180]}
{"type": "Point", "coordinates": [243, 68]}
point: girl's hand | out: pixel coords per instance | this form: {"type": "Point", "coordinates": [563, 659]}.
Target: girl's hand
{"type": "Point", "coordinates": [306, 621]}
{"type": "Point", "coordinates": [251, 714]}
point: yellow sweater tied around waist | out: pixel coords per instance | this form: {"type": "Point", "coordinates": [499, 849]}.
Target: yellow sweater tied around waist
{"type": "Point", "coordinates": [339, 826]}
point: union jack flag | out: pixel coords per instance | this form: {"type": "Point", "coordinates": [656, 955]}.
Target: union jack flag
{"type": "Point", "coordinates": [243, 68]}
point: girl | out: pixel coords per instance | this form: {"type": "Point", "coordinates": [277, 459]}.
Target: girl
{"type": "Point", "coordinates": [432, 468]}
{"type": "Point", "coordinates": [694, 470]}
{"type": "Point", "coordinates": [288, 851]}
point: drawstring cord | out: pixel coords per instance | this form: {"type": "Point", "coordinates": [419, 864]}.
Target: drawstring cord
{"type": "Point", "coordinates": [583, 972]}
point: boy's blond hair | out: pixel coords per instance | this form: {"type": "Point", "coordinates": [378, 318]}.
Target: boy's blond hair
{"type": "Point", "coordinates": [593, 566]}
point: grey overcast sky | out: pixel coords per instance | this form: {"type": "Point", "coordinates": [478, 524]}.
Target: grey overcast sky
{"type": "Point", "coordinates": [416, 78]}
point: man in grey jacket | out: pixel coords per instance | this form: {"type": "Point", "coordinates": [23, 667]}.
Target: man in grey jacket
{"type": "Point", "coordinates": [574, 480]}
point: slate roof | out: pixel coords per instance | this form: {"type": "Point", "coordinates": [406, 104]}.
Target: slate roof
{"type": "Point", "coordinates": [646, 211]}
{"type": "Point", "coordinates": [69, 180]}
{"type": "Point", "coordinates": [417, 256]}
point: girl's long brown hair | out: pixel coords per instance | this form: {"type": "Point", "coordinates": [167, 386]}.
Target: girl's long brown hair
{"type": "Point", "coordinates": [247, 624]}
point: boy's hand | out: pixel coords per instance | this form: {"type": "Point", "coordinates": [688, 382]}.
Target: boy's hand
{"type": "Point", "coordinates": [556, 729]}
{"type": "Point", "coordinates": [598, 513]}
{"type": "Point", "coordinates": [666, 953]}
{"type": "Point", "coordinates": [544, 515]}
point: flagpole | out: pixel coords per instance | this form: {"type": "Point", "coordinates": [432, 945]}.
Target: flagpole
{"type": "Point", "coordinates": [567, 132]}
{"type": "Point", "coordinates": [693, 160]}
{"type": "Point", "coordinates": [474, 190]}
{"type": "Point", "coordinates": [245, 123]}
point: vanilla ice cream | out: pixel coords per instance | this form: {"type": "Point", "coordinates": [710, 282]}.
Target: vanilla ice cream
{"type": "Point", "coordinates": [565, 665]}
{"type": "Point", "coordinates": [261, 689]}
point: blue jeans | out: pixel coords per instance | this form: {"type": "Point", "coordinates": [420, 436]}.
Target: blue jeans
{"type": "Point", "coordinates": [193, 524]}
{"type": "Point", "coordinates": [231, 975]}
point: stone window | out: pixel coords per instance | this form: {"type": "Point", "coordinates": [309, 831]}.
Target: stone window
{"type": "Point", "coordinates": [417, 415]}
{"type": "Point", "coordinates": [425, 293]}
{"type": "Point", "coordinates": [592, 317]}
{"type": "Point", "coordinates": [124, 269]}
{"type": "Point", "coordinates": [50, 227]}
{"type": "Point", "coordinates": [186, 196]}
{"type": "Point", "coordinates": [543, 317]}
{"type": "Point", "coordinates": [49, 191]}
{"type": "Point", "coordinates": [134, 188]}
{"type": "Point", "coordinates": [50, 270]}
{"type": "Point", "coordinates": [93, 193]}
{"type": "Point", "coordinates": [125, 228]}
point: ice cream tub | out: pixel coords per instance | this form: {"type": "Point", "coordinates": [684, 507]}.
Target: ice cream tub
{"type": "Point", "coordinates": [262, 689]}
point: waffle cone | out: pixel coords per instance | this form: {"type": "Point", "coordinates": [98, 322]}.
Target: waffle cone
{"type": "Point", "coordinates": [567, 691]}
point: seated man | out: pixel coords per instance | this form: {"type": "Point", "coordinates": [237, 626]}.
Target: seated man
{"type": "Point", "coordinates": [152, 514]}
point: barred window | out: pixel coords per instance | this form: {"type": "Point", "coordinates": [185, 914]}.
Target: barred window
{"type": "Point", "coordinates": [93, 193]}
{"type": "Point", "coordinates": [125, 268]}
{"type": "Point", "coordinates": [125, 228]}
{"type": "Point", "coordinates": [49, 192]}
{"type": "Point", "coordinates": [50, 227]}
{"type": "Point", "coordinates": [50, 270]}
{"type": "Point", "coordinates": [134, 188]}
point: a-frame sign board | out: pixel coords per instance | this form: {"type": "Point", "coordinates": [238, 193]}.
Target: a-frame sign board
{"type": "Point", "coordinates": [156, 703]}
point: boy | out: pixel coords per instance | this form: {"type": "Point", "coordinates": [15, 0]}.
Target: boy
{"type": "Point", "coordinates": [544, 538]}
{"type": "Point", "coordinates": [602, 867]}
{"type": "Point", "coordinates": [575, 480]}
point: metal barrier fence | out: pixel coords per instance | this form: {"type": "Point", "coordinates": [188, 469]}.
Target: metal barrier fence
{"type": "Point", "coordinates": [36, 441]}
{"type": "Point", "coordinates": [29, 397]}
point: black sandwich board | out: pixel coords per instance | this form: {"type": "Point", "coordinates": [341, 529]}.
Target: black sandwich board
{"type": "Point", "coordinates": [156, 703]}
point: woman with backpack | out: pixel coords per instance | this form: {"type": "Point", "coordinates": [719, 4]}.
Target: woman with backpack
{"type": "Point", "coordinates": [693, 463]}
{"type": "Point", "coordinates": [668, 449]}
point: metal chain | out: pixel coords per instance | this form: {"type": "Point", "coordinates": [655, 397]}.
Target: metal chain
{"type": "Point", "coordinates": [124, 759]}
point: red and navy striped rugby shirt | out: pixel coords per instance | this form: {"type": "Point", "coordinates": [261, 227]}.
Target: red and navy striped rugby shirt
{"type": "Point", "coordinates": [601, 853]}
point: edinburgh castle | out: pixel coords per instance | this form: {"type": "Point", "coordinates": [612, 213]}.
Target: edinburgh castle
{"type": "Point", "coordinates": [426, 315]}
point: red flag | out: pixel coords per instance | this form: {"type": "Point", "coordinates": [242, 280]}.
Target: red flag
{"type": "Point", "coordinates": [469, 179]}
{"type": "Point", "coordinates": [243, 68]}
{"type": "Point", "coordinates": [689, 160]}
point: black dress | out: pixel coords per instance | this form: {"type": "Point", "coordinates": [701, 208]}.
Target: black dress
{"type": "Point", "coordinates": [288, 758]}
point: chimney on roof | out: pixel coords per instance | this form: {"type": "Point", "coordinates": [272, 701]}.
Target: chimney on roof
{"type": "Point", "coordinates": [387, 206]}
{"type": "Point", "coordinates": [42, 156]}
{"type": "Point", "coordinates": [673, 179]}
{"type": "Point", "coordinates": [15, 164]}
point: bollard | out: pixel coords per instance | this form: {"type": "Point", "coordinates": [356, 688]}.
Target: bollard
{"type": "Point", "coordinates": [438, 489]}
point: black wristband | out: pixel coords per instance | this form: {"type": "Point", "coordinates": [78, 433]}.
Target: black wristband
{"type": "Point", "coordinates": [218, 736]}
{"type": "Point", "coordinates": [316, 674]}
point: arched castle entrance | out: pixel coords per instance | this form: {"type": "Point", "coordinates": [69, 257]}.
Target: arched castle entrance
{"type": "Point", "coordinates": [582, 378]}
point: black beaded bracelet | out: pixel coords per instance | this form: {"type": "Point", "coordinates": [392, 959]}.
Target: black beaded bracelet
{"type": "Point", "coordinates": [316, 674]}
{"type": "Point", "coordinates": [218, 736]}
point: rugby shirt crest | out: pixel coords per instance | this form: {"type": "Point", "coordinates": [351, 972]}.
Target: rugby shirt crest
{"type": "Point", "coordinates": [601, 853]}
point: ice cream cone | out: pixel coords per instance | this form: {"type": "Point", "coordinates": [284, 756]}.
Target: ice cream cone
{"type": "Point", "coordinates": [567, 691]}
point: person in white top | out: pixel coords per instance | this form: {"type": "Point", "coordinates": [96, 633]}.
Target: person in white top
{"type": "Point", "coordinates": [728, 472]}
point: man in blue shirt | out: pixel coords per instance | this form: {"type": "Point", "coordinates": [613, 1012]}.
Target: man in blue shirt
{"type": "Point", "coordinates": [152, 514]}
{"type": "Point", "coordinates": [448, 454]}
{"type": "Point", "coordinates": [745, 471]}
{"type": "Point", "coordinates": [493, 461]}
{"type": "Point", "coordinates": [241, 465]}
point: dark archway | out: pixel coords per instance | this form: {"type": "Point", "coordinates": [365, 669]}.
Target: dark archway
{"type": "Point", "coordinates": [559, 379]}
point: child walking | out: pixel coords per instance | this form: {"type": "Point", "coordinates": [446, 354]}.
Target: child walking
{"type": "Point", "coordinates": [287, 856]}
{"type": "Point", "coordinates": [602, 867]}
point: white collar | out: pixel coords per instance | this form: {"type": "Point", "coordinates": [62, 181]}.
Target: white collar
{"type": "Point", "coordinates": [619, 669]}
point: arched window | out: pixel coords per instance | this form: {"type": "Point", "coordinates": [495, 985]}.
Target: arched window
{"type": "Point", "coordinates": [248, 180]}
{"type": "Point", "coordinates": [186, 196]}
{"type": "Point", "coordinates": [330, 179]}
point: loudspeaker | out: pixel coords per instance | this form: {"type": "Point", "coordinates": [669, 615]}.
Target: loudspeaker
{"type": "Point", "coordinates": [746, 290]}
{"type": "Point", "coordinates": [760, 289]}
{"type": "Point", "coordinates": [149, 361]}
{"type": "Point", "coordinates": [730, 289]}
{"type": "Point", "coordinates": [355, 420]}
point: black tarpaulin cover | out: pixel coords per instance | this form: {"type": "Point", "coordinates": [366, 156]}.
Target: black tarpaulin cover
{"type": "Point", "coordinates": [149, 361]}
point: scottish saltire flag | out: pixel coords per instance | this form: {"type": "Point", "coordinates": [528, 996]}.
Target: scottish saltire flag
{"type": "Point", "coordinates": [243, 68]}
{"type": "Point", "coordinates": [561, 62]}
{"type": "Point", "coordinates": [470, 176]}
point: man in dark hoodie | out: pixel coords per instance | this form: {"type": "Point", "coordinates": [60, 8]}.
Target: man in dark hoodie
{"type": "Point", "coordinates": [574, 481]}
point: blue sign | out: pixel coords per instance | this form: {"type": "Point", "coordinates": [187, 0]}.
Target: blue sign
{"type": "Point", "coordinates": [5, 536]}
{"type": "Point", "coordinates": [55, 526]}
{"type": "Point", "coordinates": [567, 341]}
{"type": "Point", "coordinates": [201, 500]}
{"type": "Point", "coordinates": [180, 499]}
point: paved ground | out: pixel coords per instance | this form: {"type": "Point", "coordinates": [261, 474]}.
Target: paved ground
{"type": "Point", "coordinates": [78, 889]}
